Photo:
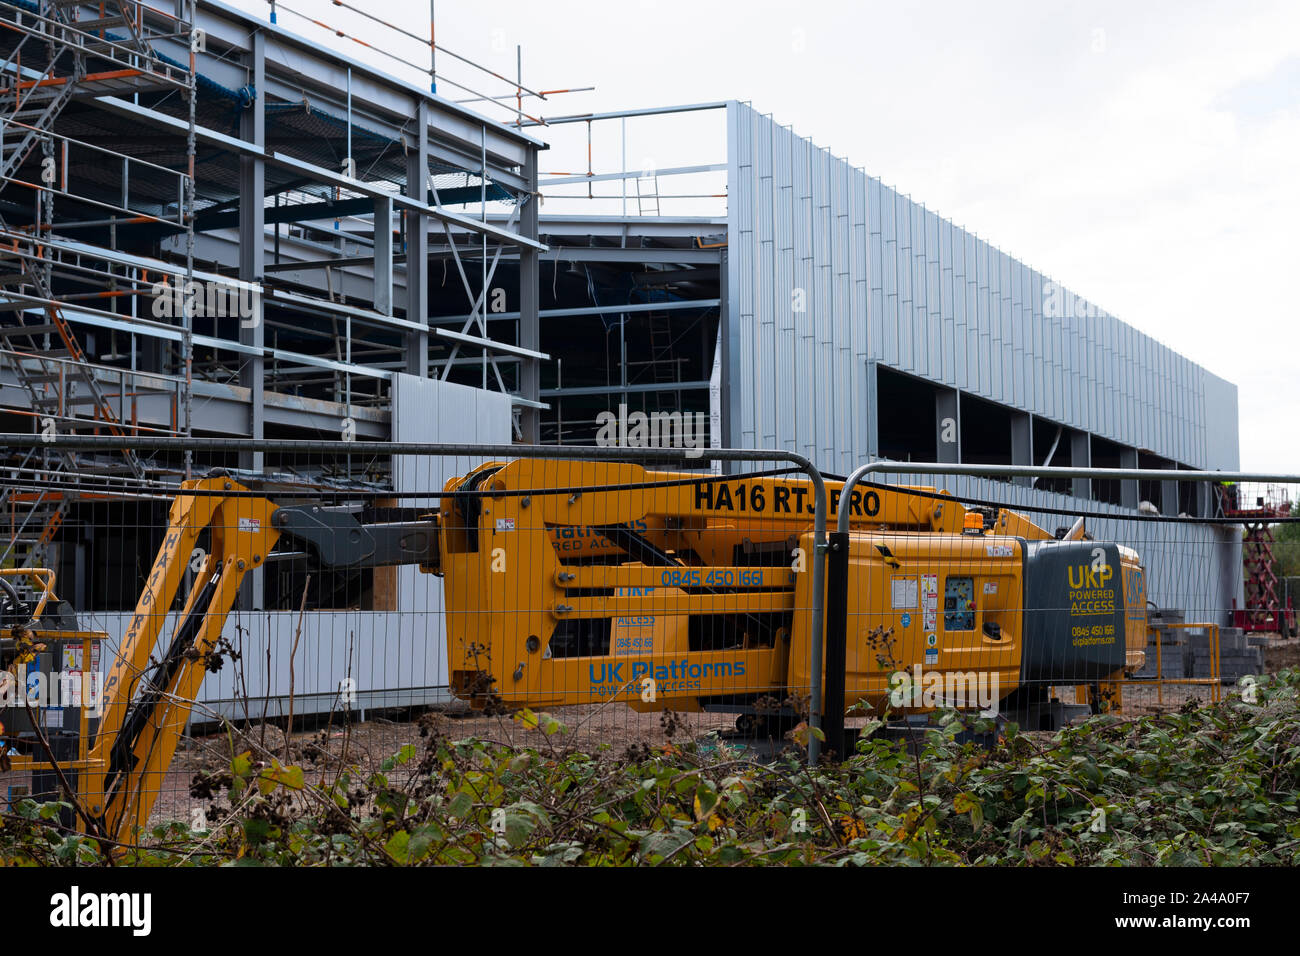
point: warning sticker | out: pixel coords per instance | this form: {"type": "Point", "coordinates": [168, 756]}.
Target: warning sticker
{"type": "Point", "coordinates": [250, 524]}
{"type": "Point", "coordinates": [929, 601]}
{"type": "Point", "coordinates": [990, 587]}
{"type": "Point", "coordinates": [904, 592]}
{"type": "Point", "coordinates": [74, 659]}
{"type": "Point", "coordinates": [999, 550]}
{"type": "Point", "coordinates": [505, 524]}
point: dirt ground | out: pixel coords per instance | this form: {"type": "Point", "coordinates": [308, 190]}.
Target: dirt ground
{"type": "Point", "coordinates": [603, 729]}
{"type": "Point", "coordinates": [1279, 654]}
{"type": "Point", "coordinates": [321, 751]}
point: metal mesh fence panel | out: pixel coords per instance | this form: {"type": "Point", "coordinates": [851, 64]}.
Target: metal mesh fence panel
{"type": "Point", "coordinates": [325, 607]}
{"type": "Point", "coordinates": [320, 609]}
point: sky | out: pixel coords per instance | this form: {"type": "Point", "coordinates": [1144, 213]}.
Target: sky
{"type": "Point", "coordinates": [1143, 154]}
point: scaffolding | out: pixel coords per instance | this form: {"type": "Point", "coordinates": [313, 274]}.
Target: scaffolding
{"type": "Point", "coordinates": [213, 225]}
{"type": "Point", "coordinates": [58, 54]}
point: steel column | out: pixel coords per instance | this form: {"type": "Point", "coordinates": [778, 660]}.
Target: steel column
{"type": "Point", "coordinates": [530, 379]}
{"type": "Point", "coordinates": [417, 246]}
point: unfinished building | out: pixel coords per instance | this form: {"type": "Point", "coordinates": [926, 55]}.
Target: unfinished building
{"type": "Point", "coordinates": [212, 226]}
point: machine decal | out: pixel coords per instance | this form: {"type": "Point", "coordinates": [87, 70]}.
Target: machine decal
{"type": "Point", "coordinates": [904, 590]}
{"type": "Point", "coordinates": [637, 635]}
{"type": "Point", "coordinates": [1135, 595]}
{"type": "Point", "coordinates": [580, 539]}
{"type": "Point", "coordinates": [674, 677]}
{"type": "Point", "coordinates": [752, 498]}
{"type": "Point", "coordinates": [696, 577]}
{"type": "Point", "coordinates": [929, 601]}
{"type": "Point", "coordinates": [1089, 592]}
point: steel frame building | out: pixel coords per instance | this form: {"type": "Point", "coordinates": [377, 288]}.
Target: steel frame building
{"type": "Point", "coordinates": [210, 225]}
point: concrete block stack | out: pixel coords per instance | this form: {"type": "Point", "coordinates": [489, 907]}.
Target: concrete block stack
{"type": "Point", "coordinates": [1165, 645]}
{"type": "Point", "coordinates": [1239, 655]}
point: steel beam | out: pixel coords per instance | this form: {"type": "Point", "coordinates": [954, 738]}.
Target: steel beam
{"type": "Point", "coordinates": [529, 338]}
{"type": "Point", "coordinates": [1022, 442]}
{"type": "Point", "coordinates": [383, 261]}
{"type": "Point", "coordinates": [492, 344]}
{"type": "Point", "coordinates": [619, 389]}
{"type": "Point", "coordinates": [321, 175]}
{"type": "Point", "coordinates": [631, 174]}
{"type": "Point", "coordinates": [947, 425]}
{"type": "Point", "coordinates": [416, 237]}
{"type": "Point", "coordinates": [1081, 457]}
{"type": "Point", "coordinates": [252, 248]}
{"type": "Point", "coordinates": [596, 310]}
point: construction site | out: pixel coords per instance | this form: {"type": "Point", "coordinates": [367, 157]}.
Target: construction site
{"type": "Point", "coordinates": [345, 415]}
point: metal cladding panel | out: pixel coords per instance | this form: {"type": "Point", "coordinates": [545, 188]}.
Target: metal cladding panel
{"type": "Point", "coordinates": [857, 273]}
{"type": "Point", "coordinates": [875, 255]}
{"type": "Point", "coordinates": [972, 313]}
{"type": "Point", "coordinates": [1006, 374]}
{"type": "Point", "coordinates": [895, 297]}
{"type": "Point", "coordinates": [1021, 338]}
{"type": "Point", "coordinates": [792, 432]}
{"type": "Point", "coordinates": [881, 279]}
{"type": "Point", "coordinates": [934, 321]}
{"type": "Point", "coordinates": [914, 317]}
{"type": "Point", "coordinates": [950, 298]}
{"type": "Point", "coordinates": [1220, 418]}
{"type": "Point", "coordinates": [904, 264]}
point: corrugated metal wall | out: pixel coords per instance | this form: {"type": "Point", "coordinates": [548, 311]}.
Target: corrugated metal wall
{"type": "Point", "coordinates": [828, 269]}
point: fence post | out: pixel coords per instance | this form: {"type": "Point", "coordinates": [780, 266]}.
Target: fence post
{"type": "Point", "coordinates": [837, 611]}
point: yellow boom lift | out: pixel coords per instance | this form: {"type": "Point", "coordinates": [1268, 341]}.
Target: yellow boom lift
{"type": "Point", "coordinates": [658, 589]}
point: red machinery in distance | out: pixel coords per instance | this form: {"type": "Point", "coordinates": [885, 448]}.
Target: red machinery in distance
{"type": "Point", "coordinates": [1264, 610]}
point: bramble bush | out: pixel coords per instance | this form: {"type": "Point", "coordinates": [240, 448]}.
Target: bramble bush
{"type": "Point", "coordinates": [1214, 785]}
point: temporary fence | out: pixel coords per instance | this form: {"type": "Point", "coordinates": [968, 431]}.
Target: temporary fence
{"type": "Point", "coordinates": [323, 605]}
{"type": "Point", "coordinates": [1050, 607]}
{"type": "Point", "coordinates": [312, 603]}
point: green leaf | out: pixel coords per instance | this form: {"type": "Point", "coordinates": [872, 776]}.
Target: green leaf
{"type": "Point", "coordinates": [460, 805]}
{"type": "Point", "coordinates": [519, 826]}
{"type": "Point", "coordinates": [398, 846]}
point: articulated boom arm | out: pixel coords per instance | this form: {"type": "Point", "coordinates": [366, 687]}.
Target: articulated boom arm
{"type": "Point", "coordinates": [147, 704]}
{"type": "Point", "coordinates": [150, 690]}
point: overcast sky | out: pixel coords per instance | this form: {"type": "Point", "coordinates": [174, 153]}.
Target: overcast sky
{"type": "Point", "coordinates": [1144, 154]}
